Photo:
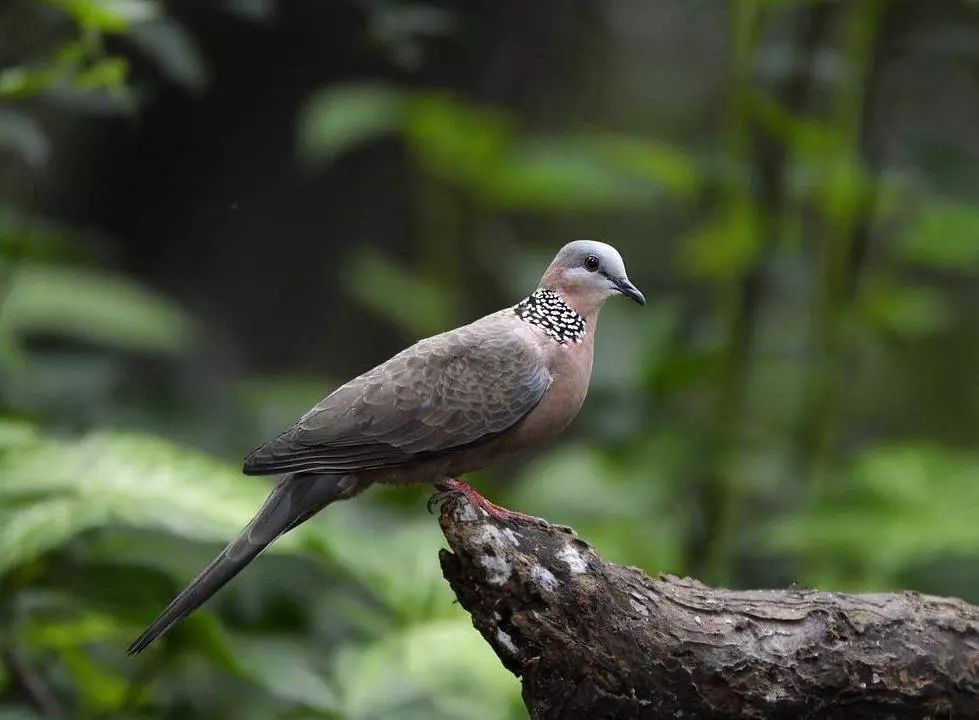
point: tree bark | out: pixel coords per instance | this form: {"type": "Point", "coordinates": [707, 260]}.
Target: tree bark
{"type": "Point", "coordinates": [591, 639]}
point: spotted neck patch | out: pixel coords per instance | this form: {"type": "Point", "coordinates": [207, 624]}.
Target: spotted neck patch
{"type": "Point", "coordinates": [545, 309]}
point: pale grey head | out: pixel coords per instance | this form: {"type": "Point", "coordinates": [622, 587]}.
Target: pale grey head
{"type": "Point", "coordinates": [586, 273]}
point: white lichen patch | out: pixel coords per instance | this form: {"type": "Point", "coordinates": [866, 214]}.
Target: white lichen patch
{"type": "Point", "coordinates": [498, 568]}
{"type": "Point", "coordinates": [572, 558]}
{"type": "Point", "coordinates": [543, 577]}
{"type": "Point", "coordinates": [492, 535]}
{"type": "Point", "coordinates": [465, 512]}
{"type": "Point", "coordinates": [773, 696]}
{"type": "Point", "coordinates": [639, 608]}
{"type": "Point", "coordinates": [507, 642]}
{"type": "Point", "coordinates": [512, 537]}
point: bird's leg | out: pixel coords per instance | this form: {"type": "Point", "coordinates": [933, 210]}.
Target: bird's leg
{"type": "Point", "coordinates": [452, 486]}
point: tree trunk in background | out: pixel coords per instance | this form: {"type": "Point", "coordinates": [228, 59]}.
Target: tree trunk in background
{"type": "Point", "coordinates": [594, 640]}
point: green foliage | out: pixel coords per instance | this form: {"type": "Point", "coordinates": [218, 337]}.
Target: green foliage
{"type": "Point", "coordinates": [482, 151]}
{"type": "Point", "coordinates": [343, 117]}
{"type": "Point", "coordinates": [902, 505]}
{"type": "Point", "coordinates": [53, 490]}
{"type": "Point", "coordinates": [93, 306]}
{"type": "Point", "coordinates": [21, 135]}
{"type": "Point", "coordinates": [905, 310]}
{"type": "Point", "coordinates": [81, 68]}
{"type": "Point", "coordinates": [417, 305]}
{"type": "Point", "coordinates": [944, 236]}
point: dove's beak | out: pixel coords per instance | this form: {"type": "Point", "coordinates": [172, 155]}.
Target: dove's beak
{"type": "Point", "coordinates": [625, 287]}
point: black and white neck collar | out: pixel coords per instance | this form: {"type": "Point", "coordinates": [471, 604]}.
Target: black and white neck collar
{"type": "Point", "coordinates": [547, 310]}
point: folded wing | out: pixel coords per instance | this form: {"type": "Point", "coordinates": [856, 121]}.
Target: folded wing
{"type": "Point", "coordinates": [441, 394]}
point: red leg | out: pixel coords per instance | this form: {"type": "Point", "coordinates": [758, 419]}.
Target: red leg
{"type": "Point", "coordinates": [451, 485]}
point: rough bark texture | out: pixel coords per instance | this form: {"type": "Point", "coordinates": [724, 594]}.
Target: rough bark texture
{"type": "Point", "coordinates": [591, 639]}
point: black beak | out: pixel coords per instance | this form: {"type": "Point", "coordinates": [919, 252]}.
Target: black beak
{"type": "Point", "coordinates": [625, 287]}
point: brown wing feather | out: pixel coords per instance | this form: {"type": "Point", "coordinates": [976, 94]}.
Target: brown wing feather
{"type": "Point", "coordinates": [443, 393]}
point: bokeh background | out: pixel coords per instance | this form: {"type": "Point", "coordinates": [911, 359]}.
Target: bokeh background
{"type": "Point", "coordinates": [213, 212]}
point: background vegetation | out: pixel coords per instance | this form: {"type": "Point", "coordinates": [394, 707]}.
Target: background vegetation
{"type": "Point", "coordinates": [213, 212]}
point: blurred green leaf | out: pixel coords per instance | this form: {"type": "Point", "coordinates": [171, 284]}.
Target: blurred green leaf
{"type": "Point", "coordinates": [252, 10]}
{"type": "Point", "coordinates": [726, 245]}
{"type": "Point", "coordinates": [108, 15]}
{"type": "Point", "coordinates": [288, 669]}
{"type": "Point", "coordinates": [481, 150]}
{"type": "Point", "coordinates": [93, 306]}
{"type": "Point", "coordinates": [395, 558]}
{"type": "Point", "coordinates": [623, 506]}
{"type": "Point", "coordinates": [23, 237]}
{"type": "Point", "coordinates": [20, 134]}
{"type": "Point", "coordinates": [52, 490]}
{"type": "Point", "coordinates": [561, 173]}
{"type": "Point", "coordinates": [268, 404]}
{"type": "Point", "coordinates": [403, 675]}
{"type": "Point", "coordinates": [101, 688]}
{"type": "Point", "coordinates": [14, 712]}
{"type": "Point", "coordinates": [18, 82]}
{"type": "Point", "coordinates": [652, 160]}
{"type": "Point", "coordinates": [901, 504]}
{"type": "Point", "coordinates": [945, 235]}
{"type": "Point", "coordinates": [173, 50]}
{"type": "Point", "coordinates": [905, 310]}
{"type": "Point", "coordinates": [457, 142]}
{"type": "Point", "coordinates": [844, 188]}
{"type": "Point", "coordinates": [108, 73]}
{"type": "Point", "coordinates": [419, 306]}
{"type": "Point", "coordinates": [343, 117]}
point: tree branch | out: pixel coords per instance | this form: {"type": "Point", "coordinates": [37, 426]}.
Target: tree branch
{"type": "Point", "coordinates": [594, 640]}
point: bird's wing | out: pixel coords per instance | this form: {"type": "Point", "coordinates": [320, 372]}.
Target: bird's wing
{"type": "Point", "coordinates": [443, 393]}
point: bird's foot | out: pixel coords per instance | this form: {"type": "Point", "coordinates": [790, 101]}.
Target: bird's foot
{"type": "Point", "coordinates": [438, 498]}
{"type": "Point", "coordinates": [450, 487]}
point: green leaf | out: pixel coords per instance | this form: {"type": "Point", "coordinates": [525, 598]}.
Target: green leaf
{"type": "Point", "coordinates": [110, 16]}
{"type": "Point", "coordinates": [173, 50]}
{"type": "Point", "coordinates": [479, 149]}
{"type": "Point", "coordinates": [17, 712]}
{"type": "Point", "coordinates": [108, 73]}
{"type": "Point", "coordinates": [286, 668]}
{"type": "Point", "coordinates": [52, 490]}
{"type": "Point", "coordinates": [251, 10]}
{"type": "Point", "coordinates": [905, 310]}
{"type": "Point", "coordinates": [440, 670]}
{"type": "Point", "coordinates": [945, 236]}
{"type": "Point", "coordinates": [340, 118]}
{"type": "Point", "coordinates": [900, 505]}
{"type": "Point", "coordinates": [93, 306]}
{"type": "Point", "coordinates": [726, 245]}
{"type": "Point", "coordinates": [455, 141]}
{"type": "Point", "coordinates": [392, 558]}
{"type": "Point", "coordinates": [19, 133]}
{"type": "Point", "coordinates": [418, 306]}
{"type": "Point", "coordinates": [19, 82]}
{"type": "Point", "coordinates": [562, 173]}
{"type": "Point", "coordinates": [669, 167]}
{"type": "Point", "coordinates": [626, 507]}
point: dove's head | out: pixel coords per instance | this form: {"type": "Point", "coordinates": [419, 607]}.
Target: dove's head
{"type": "Point", "coordinates": [586, 273]}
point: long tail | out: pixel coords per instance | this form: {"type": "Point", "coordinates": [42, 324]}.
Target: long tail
{"type": "Point", "coordinates": [295, 499]}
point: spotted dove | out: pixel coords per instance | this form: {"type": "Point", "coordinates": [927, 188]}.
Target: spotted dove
{"type": "Point", "coordinates": [447, 405]}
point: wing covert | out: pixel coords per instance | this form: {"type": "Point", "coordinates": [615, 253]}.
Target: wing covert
{"type": "Point", "coordinates": [441, 394]}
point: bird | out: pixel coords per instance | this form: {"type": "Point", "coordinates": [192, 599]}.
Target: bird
{"type": "Point", "coordinates": [447, 405]}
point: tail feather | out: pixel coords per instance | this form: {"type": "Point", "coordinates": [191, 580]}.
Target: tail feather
{"type": "Point", "coordinates": [294, 500]}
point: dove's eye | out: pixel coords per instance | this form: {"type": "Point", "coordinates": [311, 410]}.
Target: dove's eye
{"type": "Point", "coordinates": [591, 263]}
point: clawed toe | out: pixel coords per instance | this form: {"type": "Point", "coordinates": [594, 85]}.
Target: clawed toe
{"type": "Point", "coordinates": [438, 498]}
